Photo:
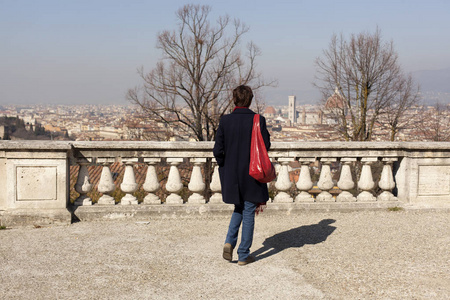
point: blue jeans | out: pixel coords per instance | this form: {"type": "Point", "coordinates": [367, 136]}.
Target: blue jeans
{"type": "Point", "coordinates": [244, 214]}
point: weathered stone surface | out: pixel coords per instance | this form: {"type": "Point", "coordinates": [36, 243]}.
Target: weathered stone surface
{"type": "Point", "coordinates": [387, 184]}
{"type": "Point", "coordinates": [83, 185]}
{"type": "Point", "coordinates": [424, 182]}
{"type": "Point", "coordinates": [151, 184]}
{"type": "Point", "coordinates": [106, 186]}
{"type": "Point", "coordinates": [46, 146]}
{"type": "Point", "coordinates": [283, 183]}
{"type": "Point", "coordinates": [38, 217]}
{"type": "Point", "coordinates": [304, 184]}
{"type": "Point", "coordinates": [366, 183]}
{"type": "Point", "coordinates": [129, 185]}
{"type": "Point", "coordinates": [36, 183]}
{"type": "Point", "coordinates": [215, 186]}
{"type": "Point", "coordinates": [144, 212]}
{"type": "Point", "coordinates": [419, 175]}
{"type": "Point", "coordinates": [196, 183]}
{"type": "Point", "coordinates": [434, 180]}
{"type": "Point", "coordinates": [3, 184]}
{"type": "Point", "coordinates": [346, 183]}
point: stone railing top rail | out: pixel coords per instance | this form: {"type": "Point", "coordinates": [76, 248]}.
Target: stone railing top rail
{"type": "Point", "coordinates": [124, 145]}
{"type": "Point", "coordinates": [35, 145]}
{"type": "Point", "coordinates": [203, 149]}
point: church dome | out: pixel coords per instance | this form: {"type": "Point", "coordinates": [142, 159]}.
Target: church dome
{"type": "Point", "coordinates": [270, 111]}
{"type": "Point", "coordinates": [335, 101]}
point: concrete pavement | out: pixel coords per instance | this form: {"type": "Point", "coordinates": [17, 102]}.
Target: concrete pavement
{"type": "Point", "coordinates": [304, 255]}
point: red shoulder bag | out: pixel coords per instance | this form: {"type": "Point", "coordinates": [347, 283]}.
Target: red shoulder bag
{"type": "Point", "coordinates": [261, 168]}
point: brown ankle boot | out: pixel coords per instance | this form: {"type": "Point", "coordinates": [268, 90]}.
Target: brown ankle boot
{"type": "Point", "coordinates": [228, 252]}
{"type": "Point", "coordinates": [249, 260]}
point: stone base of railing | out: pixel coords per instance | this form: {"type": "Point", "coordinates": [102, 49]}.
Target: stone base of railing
{"type": "Point", "coordinates": [148, 212]}
{"type": "Point", "coordinates": [38, 179]}
{"type": "Point", "coordinates": [143, 212]}
{"type": "Point", "coordinates": [33, 217]}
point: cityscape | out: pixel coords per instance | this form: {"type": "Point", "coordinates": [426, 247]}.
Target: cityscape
{"type": "Point", "coordinates": [309, 122]}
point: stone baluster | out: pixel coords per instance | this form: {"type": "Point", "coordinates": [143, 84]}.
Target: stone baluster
{"type": "Point", "coordinates": [129, 184]}
{"type": "Point", "coordinates": [283, 183]}
{"type": "Point", "coordinates": [346, 182]}
{"type": "Point", "coordinates": [387, 183]}
{"type": "Point", "coordinates": [196, 183]}
{"type": "Point", "coordinates": [215, 185]}
{"type": "Point", "coordinates": [83, 186]}
{"type": "Point", "coordinates": [304, 183]}
{"type": "Point", "coordinates": [151, 184]}
{"type": "Point", "coordinates": [174, 184]}
{"type": "Point", "coordinates": [366, 182]}
{"type": "Point", "coordinates": [106, 184]}
{"type": "Point", "coordinates": [325, 182]}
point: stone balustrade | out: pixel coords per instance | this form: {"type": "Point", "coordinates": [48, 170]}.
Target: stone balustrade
{"type": "Point", "coordinates": [34, 176]}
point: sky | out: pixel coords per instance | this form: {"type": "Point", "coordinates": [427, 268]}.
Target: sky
{"type": "Point", "coordinates": [79, 52]}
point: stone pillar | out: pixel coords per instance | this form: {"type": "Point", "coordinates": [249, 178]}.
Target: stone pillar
{"type": "Point", "coordinates": [283, 183]}
{"type": "Point", "coordinates": [151, 184]}
{"type": "Point", "coordinates": [366, 182]}
{"type": "Point", "coordinates": [174, 184]}
{"type": "Point", "coordinates": [196, 183]}
{"type": "Point", "coordinates": [83, 186]}
{"type": "Point", "coordinates": [129, 184]}
{"type": "Point", "coordinates": [346, 182]}
{"type": "Point", "coordinates": [106, 184]}
{"type": "Point", "coordinates": [387, 183]}
{"type": "Point", "coordinates": [215, 185]}
{"type": "Point", "coordinates": [304, 183]}
{"type": "Point", "coordinates": [325, 182]}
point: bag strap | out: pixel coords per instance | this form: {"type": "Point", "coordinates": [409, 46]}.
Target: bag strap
{"type": "Point", "coordinates": [256, 119]}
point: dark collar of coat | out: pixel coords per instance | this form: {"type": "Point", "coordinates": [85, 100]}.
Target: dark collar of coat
{"type": "Point", "coordinates": [243, 111]}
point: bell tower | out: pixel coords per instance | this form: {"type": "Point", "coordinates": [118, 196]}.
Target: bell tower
{"type": "Point", "coordinates": [292, 113]}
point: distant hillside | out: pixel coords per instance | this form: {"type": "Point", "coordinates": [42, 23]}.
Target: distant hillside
{"type": "Point", "coordinates": [437, 81]}
{"type": "Point", "coordinates": [434, 85]}
{"type": "Point", "coordinates": [13, 128]}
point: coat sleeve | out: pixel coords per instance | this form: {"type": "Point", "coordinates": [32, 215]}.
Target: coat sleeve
{"type": "Point", "coordinates": [219, 150]}
{"type": "Point", "coordinates": [264, 132]}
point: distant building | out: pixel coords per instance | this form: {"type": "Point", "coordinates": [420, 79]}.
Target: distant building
{"type": "Point", "coordinates": [292, 112]}
{"type": "Point", "coordinates": [270, 112]}
{"type": "Point", "coordinates": [334, 107]}
{"type": "Point", "coordinates": [336, 101]}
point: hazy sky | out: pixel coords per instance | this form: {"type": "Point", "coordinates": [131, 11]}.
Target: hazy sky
{"type": "Point", "coordinates": [61, 51]}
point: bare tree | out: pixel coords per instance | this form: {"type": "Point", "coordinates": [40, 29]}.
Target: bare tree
{"type": "Point", "coordinates": [368, 82]}
{"type": "Point", "coordinates": [434, 123]}
{"type": "Point", "coordinates": [405, 97]}
{"type": "Point", "coordinates": [190, 86]}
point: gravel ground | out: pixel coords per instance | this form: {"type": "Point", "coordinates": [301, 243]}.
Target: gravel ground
{"type": "Point", "coordinates": [309, 255]}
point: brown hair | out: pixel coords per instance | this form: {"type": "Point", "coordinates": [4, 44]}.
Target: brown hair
{"type": "Point", "coordinates": [242, 96]}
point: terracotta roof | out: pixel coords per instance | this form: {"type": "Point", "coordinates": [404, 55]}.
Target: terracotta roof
{"type": "Point", "coordinates": [335, 101]}
{"type": "Point", "coordinates": [270, 111]}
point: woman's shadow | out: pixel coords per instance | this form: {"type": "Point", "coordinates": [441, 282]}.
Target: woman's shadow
{"type": "Point", "coordinates": [295, 238]}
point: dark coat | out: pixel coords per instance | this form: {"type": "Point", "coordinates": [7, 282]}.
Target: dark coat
{"type": "Point", "coordinates": [232, 152]}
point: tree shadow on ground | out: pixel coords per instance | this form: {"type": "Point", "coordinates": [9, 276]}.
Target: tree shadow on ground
{"type": "Point", "coordinates": [295, 238]}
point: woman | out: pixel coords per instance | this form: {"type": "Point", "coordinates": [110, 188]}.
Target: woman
{"type": "Point", "coordinates": [232, 152]}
